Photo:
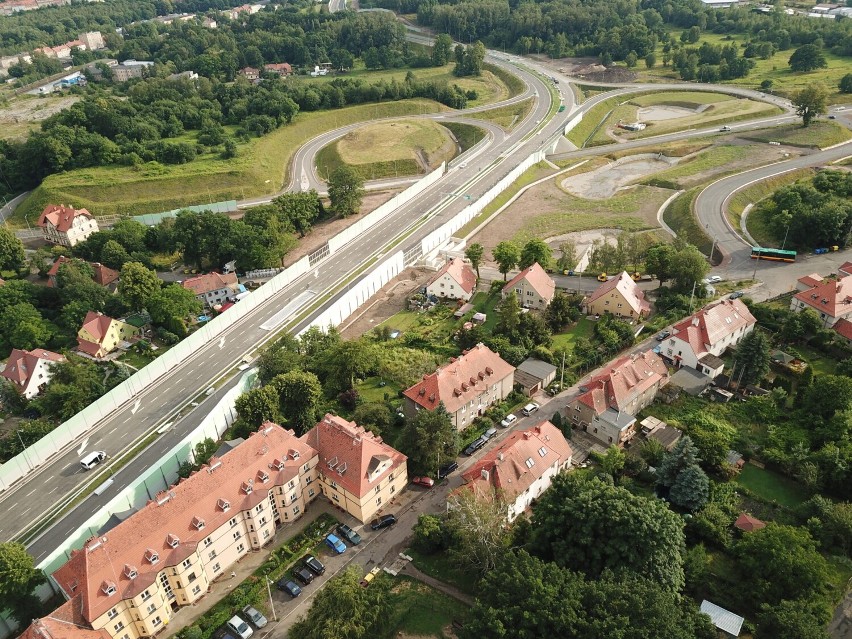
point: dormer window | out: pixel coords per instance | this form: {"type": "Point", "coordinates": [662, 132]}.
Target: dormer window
{"type": "Point", "coordinates": [263, 477]}
{"type": "Point", "coordinates": [224, 505]}
{"type": "Point", "coordinates": [198, 523]}
{"type": "Point", "coordinates": [130, 571]}
{"type": "Point", "coordinates": [108, 588]}
{"type": "Point", "coordinates": [294, 454]}
{"type": "Point", "coordinates": [152, 556]}
{"type": "Point", "coordinates": [173, 540]}
{"type": "Point", "coordinates": [277, 465]}
{"type": "Point", "coordinates": [247, 488]}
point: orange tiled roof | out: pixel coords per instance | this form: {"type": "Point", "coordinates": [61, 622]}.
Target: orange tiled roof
{"type": "Point", "coordinates": [63, 623]}
{"type": "Point", "coordinates": [748, 523]}
{"type": "Point", "coordinates": [832, 297]}
{"type": "Point", "coordinates": [624, 379]}
{"type": "Point", "coordinates": [278, 67]}
{"type": "Point", "coordinates": [61, 216]}
{"type": "Point", "coordinates": [810, 280]}
{"type": "Point", "coordinates": [460, 271]}
{"type": "Point", "coordinates": [97, 324]}
{"type": "Point", "coordinates": [541, 282]}
{"type": "Point", "coordinates": [843, 328]}
{"type": "Point", "coordinates": [54, 270]}
{"type": "Point", "coordinates": [506, 468]}
{"type": "Point", "coordinates": [461, 380]}
{"type": "Point", "coordinates": [173, 513]}
{"type": "Point", "coordinates": [845, 268]}
{"type": "Point", "coordinates": [21, 364]}
{"type": "Point", "coordinates": [624, 284]}
{"type": "Point", "coordinates": [365, 459]}
{"type": "Point", "coordinates": [210, 282]}
{"type": "Point", "coordinates": [104, 275]}
{"type": "Point", "coordinates": [712, 324]}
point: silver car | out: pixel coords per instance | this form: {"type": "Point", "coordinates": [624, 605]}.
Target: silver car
{"type": "Point", "coordinates": [253, 615]}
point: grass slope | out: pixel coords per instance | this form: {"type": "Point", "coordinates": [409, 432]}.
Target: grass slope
{"type": "Point", "coordinates": [466, 135]}
{"type": "Point", "coordinates": [818, 134]}
{"type": "Point", "coordinates": [679, 216]}
{"type": "Point", "coordinates": [260, 168]}
{"type": "Point", "coordinates": [506, 116]}
{"type": "Point", "coordinates": [752, 195]}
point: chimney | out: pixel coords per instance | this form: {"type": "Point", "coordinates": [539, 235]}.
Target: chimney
{"type": "Point", "coordinates": [500, 456]}
{"type": "Point", "coordinates": [485, 474]}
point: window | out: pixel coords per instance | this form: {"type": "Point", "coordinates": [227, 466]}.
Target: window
{"type": "Point", "coordinates": [241, 548]}
{"type": "Point", "coordinates": [393, 489]}
{"type": "Point", "coordinates": [212, 555]}
{"type": "Point", "coordinates": [334, 497]}
{"type": "Point", "coordinates": [233, 522]}
{"type": "Point", "coordinates": [157, 621]}
{"type": "Point", "coordinates": [258, 508]}
{"type": "Point", "coordinates": [112, 614]}
{"type": "Point", "coordinates": [196, 590]}
{"type": "Point", "coordinates": [119, 626]}
{"type": "Point", "coordinates": [266, 534]}
{"type": "Point", "coordinates": [308, 480]}
{"type": "Point", "coordinates": [237, 535]}
{"type": "Point", "coordinates": [529, 462]}
{"type": "Point", "coordinates": [146, 595]}
{"type": "Point", "coordinates": [216, 567]}
{"type": "Point", "coordinates": [311, 492]}
{"type": "Point", "coordinates": [208, 541]}
{"type": "Point", "coordinates": [191, 577]}
{"type": "Point", "coordinates": [542, 451]}
{"type": "Point", "coordinates": [378, 501]}
{"type": "Point", "coordinates": [186, 563]}
{"type": "Point", "coordinates": [295, 510]}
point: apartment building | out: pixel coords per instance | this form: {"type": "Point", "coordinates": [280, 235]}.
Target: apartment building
{"type": "Point", "coordinates": [131, 579]}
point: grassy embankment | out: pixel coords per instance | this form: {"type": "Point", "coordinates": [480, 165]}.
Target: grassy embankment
{"type": "Point", "coordinates": [818, 134]}
{"type": "Point", "coordinates": [506, 116]}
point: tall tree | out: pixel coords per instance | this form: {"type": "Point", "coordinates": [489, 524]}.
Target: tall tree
{"type": "Point", "coordinates": [258, 405]}
{"type": "Point", "coordinates": [592, 526]}
{"type": "Point", "coordinates": [429, 440]}
{"type": "Point", "coordinates": [442, 50]}
{"type": "Point", "coordinates": [137, 284]}
{"type": "Point", "coordinates": [683, 455]}
{"type": "Point", "coordinates": [345, 190]}
{"type": "Point", "coordinates": [476, 523]}
{"type": "Point", "coordinates": [11, 250]}
{"type": "Point", "coordinates": [18, 579]}
{"type": "Point", "coordinates": [172, 302]}
{"type": "Point", "coordinates": [282, 356]}
{"type": "Point", "coordinates": [828, 395]}
{"type": "Point", "coordinates": [845, 84]}
{"type": "Point", "coordinates": [299, 393]}
{"type": "Point", "coordinates": [752, 358]}
{"type": "Point", "coordinates": [534, 251]}
{"type": "Point", "coordinates": [561, 311]}
{"type": "Point", "coordinates": [22, 326]}
{"type": "Point", "coordinates": [506, 255]}
{"type": "Point", "coordinates": [568, 256]}
{"type": "Point", "coordinates": [810, 102]}
{"type": "Point", "coordinates": [347, 361]}
{"type": "Point", "coordinates": [691, 488]}
{"type": "Point", "coordinates": [797, 619]}
{"type": "Point", "coordinates": [808, 57]}
{"type": "Point", "coordinates": [474, 254]}
{"type": "Point", "coordinates": [509, 311]}
{"type": "Point", "coordinates": [688, 268]}
{"type": "Point", "coordinates": [658, 261]}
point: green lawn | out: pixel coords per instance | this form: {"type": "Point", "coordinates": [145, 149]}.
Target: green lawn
{"type": "Point", "coordinates": [820, 362]}
{"type": "Point", "coordinates": [772, 486]}
{"type": "Point", "coordinates": [679, 216]}
{"type": "Point", "coordinates": [506, 116]}
{"type": "Point", "coordinates": [440, 566]}
{"type": "Point", "coordinates": [420, 610]}
{"type": "Point", "coordinates": [485, 303]}
{"type": "Point", "coordinates": [706, 160]}
{"type": "Point", "coordinates": [583, 329]}
{"type": "Point", "coordinates": [374, 389]}
{"type": "Point", "coordinates": [819, 134]}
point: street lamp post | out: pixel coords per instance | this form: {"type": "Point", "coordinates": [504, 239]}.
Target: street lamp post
{"type": "Point", "coordinates": [271, 603]}
{"type": "Point", "coordinates": [24, 449]}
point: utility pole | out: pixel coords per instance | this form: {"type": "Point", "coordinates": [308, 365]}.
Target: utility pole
{"type": "Point", "coordinates": [691, 295]}
{"type": "Point", "coordinates": [562, 376]}
{"type": "Point", "coordinates": [271, 603]}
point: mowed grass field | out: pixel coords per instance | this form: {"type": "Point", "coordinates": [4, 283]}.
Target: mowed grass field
{"type": "Point", "coordinates": [776, 68]}
{"type": "Point", "coordinates": [400, 147]}
{"type": "Point", "coordinates": [261, 167]}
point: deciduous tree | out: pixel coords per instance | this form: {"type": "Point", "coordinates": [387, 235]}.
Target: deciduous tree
{"type": "Point", "coordinates": [172, 302]}
{"type": "Point", "coordinates": [18, 579]}
{"type": "Point", "coordinates": [658, 261]}
{"type": "Point", "coordinates": [429, 440]}
{"type": "Point", "coordinates": [568, 256]}
{"type": "Point", "coordinates": [137, 284]}
{"type": "Point", "coordinates": [535, 250]}
{"type": "Point", "coordinates": [476, 522]}
{"type": "Point", "coordinates": [474, 253]}
{"type": "Point", "coordinates": [11, 250]}
{"type": "Point", "coordinates": [345, 190]}
{"type": "Point", "coordinates": [810, 102]}
{"type": "Point", "coordinates": [299, 393]}
{"type": "Point", "coordinates": [828, 395]}
{"type": "Point", "coordinates": [22, 326]}
{"type": "Point", "coordinates": [506, 255]}
{"type": "Point", "coordinates": [807, 57]}
{"type": "Point", "coordinates": [258, 405]}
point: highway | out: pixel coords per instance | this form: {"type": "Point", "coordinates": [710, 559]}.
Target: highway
{"type": "Point", "coordinates": [25, 502]}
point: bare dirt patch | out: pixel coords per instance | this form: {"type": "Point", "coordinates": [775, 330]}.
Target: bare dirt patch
{"type": "Point", "coordinates": [588, 69]}
{"type": "Point", "coordinates": [604, 182]}
{"type": "Point", "coordinates": [386, 302]}
{"type": "Point", "coordinates": [662, 112]}
{"type": "Point", "coordinates": [22, 114]}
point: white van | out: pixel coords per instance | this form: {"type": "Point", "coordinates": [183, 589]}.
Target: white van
{"type": "Point", "coordinates": [93, 459]}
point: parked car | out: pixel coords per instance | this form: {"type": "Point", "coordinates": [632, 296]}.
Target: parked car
{"type": "Point", "coordinates": [385, 521]}
{"type": "Point", "coordinates": [304, 575]}
{"type": "Point", "coordinates": [335, 544]}
{"type": "Point", "coordinates": [725, 128]}
{"type": "Point", "coordinates": [349, 535]}
{"type": "Point", "coordinates": [602, 277]}
{"type": "Point", "coordinates": [446, 469]}
{"type": "Point", "coordinates": [474, 446]}
{"type": "Point", "coordinates": [714, 279]}
{"type": "Point", "coordinates": [426, 482]}
{"type": "Point", "coordinates": [290, 587]}
{"type": "Point", "coordinates": [530, 408]}
{"type": "Point", "coordinates": [240, 627]}
{"type": "Point", "coordinates": [510, 419]}
{"type": "Point", "coordinates": [92, 459]}
{"type": "Point", "coordinates": [735, 295]}
{"type": "Point", "coordinates": [663, 335]}
{"type": "Point", "coordinates": [488, 434]}
{"type": "Point", "coordinates": [253, 615]}
{"type": "Point", "coordinates": [313, 564]}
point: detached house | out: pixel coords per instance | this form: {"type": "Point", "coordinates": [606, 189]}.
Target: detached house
{"type": "Point", "coordinates": [607, 410]}
{"type": "Point", "coordinates": [467, 386]}
{"type": "Point", "coordinates": [278, 68]}
{"type": "Point", "coordinates": [533, 286]}
{"type": "Point", "coordinates": [250, 73]}
{"type": "Point", "coordinates": [455, 281]}
{"type": "Point", "coordinates": [213, 288]}
{"type": "Point", "coordinates": [831, 299]}
{"type": "Point", "coordinates": [29, 371]}
{"type": "Point", "coordinates": [522, 467]}
{"type": "Point", "coordinates": [100, 334]}
{"type": "Point", "coordinates": [103, 275]}
{"type": "Point", "coordinates": [132, 578]}
{"type": "Point", "coordinates": [358, 471]}
{"type": "Point", "coordinates": [619, 296]}
{"type": "Point", "coordinates": [66, 225]}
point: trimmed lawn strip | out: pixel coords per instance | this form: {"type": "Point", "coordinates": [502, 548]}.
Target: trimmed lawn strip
{"type": "Point", "coordinates": [506, 116]}
{"type": "Point", "coordinates": [771, 486]}
{"type": "Point", "coordinates": [420, 610]}
{"type": "Point", "coordinates": [583, 329]}
{"type": "Point", "coordinates": [818, 134]}
{"type": "Point", "coordinates": [680, 217]}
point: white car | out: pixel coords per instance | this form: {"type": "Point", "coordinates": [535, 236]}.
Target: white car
{"type": "Point", "coordinates": [714, 279]}
{"type": "Point", "coordinates": [509, 420]}
{"type": "Point", "coordinates": [530, 408]}
{"type": "Point", "coordinates": [240, 627]}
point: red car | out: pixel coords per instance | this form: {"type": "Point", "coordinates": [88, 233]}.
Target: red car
{"type": "Point", "coordinates": [426, 482]}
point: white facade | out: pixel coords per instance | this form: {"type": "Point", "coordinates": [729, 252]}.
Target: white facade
{"type": "Point", "coordinates": [447, 287]}
{"type": "Point", "coordinates": [524, 500]}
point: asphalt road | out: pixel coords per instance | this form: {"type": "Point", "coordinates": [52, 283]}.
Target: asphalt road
{"type": "Point", "coordinates": [25, 502]}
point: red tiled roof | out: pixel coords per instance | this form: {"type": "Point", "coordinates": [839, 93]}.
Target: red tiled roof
{"type": "Point", "coordinates": [279, 67]}
{"type": "Point", "coordinates": [460, 271]}
{"type": "Point", "coordinates": [364, 458]}
{"type": "Point", "coordinates": [845, 268]}
{"type": "Point", "coordinates": [632, 294]}
{"type": "Point", "coordinates": [832, 297]}
{"type": "Point", "coordinates": [461, 380]}
{"type": "Point", "coordinates": [89, 348]}
{"type": "Point", "coordinates": [541, 282]}
{"type": "Point", "coordinates": [505, 468]}
{"type": "Point", "coordinates": [210, 282]}
{"type": "Point", "coordinates": [624, 379]}
{"type": "Point", "coordinates": [843, 328]}
{"type": "Point", "coordinates": [104, 275]}
{"type": "Point", "coordinates": [21, 364]}
{"type": "Point", "coordinates": [748, 523]}
{"type": "Point", "coordinates": [63, 623]}
{"type": "Point", "coordinates": [97, 324]}
{"type": "Point", "coordinates": [54, 270]}
{"type": "Point", "coordinates": [173, 512]}
{"type": "Point", "coordinates": [61, 216]}
{"type": "Point", "coordinates": [712, 324]}
{"type": "Point", "coordinates": [810, 280]}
